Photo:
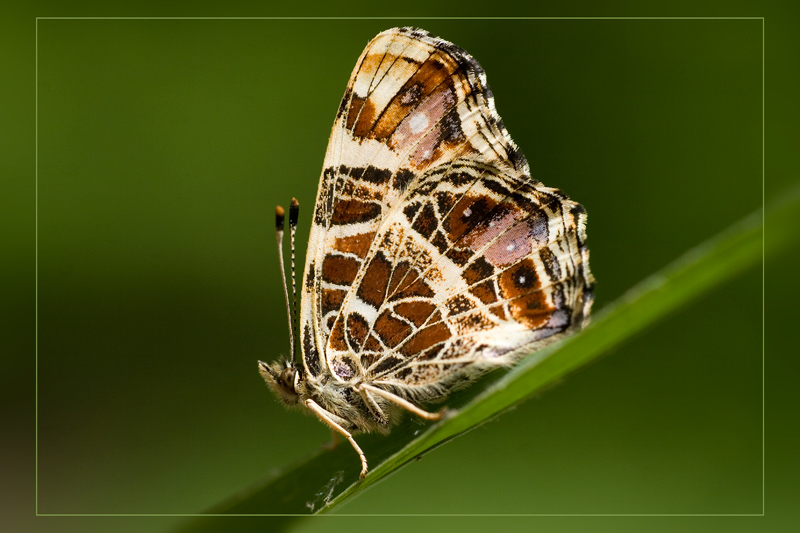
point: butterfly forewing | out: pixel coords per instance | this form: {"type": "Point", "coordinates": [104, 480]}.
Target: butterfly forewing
{"type": "Point", "coordinates": [414, 102]}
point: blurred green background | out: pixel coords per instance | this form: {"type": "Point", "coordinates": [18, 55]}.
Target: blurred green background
{"type": "Point", "coordinates": [163, 146]}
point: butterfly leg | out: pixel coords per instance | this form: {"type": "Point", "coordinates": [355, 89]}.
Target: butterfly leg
{"type": "Point", "coordinates": [373, 406]}
{"type": "Point", "coordinates": [323, 415]}
{"type": "Point", "coordinates": [405, 404]}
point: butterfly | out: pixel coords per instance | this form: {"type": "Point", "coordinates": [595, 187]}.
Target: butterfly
{"type": "Point", "coordinates": [433, 256]}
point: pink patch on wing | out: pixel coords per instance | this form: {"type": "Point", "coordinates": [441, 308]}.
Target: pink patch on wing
{"type": "Point", "coordinates": [422, 127]}
{"type": "Point", "coordinates": [516, 243]}
{"type": "Point", "coordinates": [484, 233]}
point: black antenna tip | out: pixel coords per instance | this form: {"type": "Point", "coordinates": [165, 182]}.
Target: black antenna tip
{"type": "Point", "coordinates": [280, 214]}
{"type": "Point", "coordinates": [294, 212]}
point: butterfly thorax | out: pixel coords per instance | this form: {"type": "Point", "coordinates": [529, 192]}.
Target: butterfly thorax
{"type": "Point", "coordinates": [342, 400]}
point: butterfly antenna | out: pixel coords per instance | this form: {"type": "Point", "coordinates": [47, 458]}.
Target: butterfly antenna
{"type": "Point", "coordinates": [280, 215]}
{"type": "Point", "coordinates": [294, 214]}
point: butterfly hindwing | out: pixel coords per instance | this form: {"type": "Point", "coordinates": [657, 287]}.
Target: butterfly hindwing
{"type": "Point", "coordinates": [477, 267]}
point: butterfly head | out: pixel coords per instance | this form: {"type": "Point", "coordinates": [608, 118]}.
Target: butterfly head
{"type": "Point", "coordinates": [283, 378]}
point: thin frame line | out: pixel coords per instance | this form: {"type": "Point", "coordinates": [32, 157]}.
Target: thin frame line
{"type": "Point", "coordinates": [763, 278]}
{"type": "Point", "coordinates": [189, 515]}
{"type": "Point", "coordinates": [36, 274]}
{"type": "Point", "coordinates": [400, 17]}
{"type": "Point", "coordinates": [763, 262]}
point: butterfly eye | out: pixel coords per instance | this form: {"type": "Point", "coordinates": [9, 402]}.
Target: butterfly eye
{"type": "Point", "coordinates": [287, 378]}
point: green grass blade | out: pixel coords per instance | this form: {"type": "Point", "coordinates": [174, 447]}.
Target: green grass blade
{"type": "Point", "coordinates": [327, 479]}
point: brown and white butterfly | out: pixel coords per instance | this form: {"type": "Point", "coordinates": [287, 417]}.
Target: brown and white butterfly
{"type": "Point", "coordinates": [433, 256]}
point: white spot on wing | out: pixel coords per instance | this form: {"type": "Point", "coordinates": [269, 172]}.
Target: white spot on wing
{"type": "Point", "coordinates": [418, 122]}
